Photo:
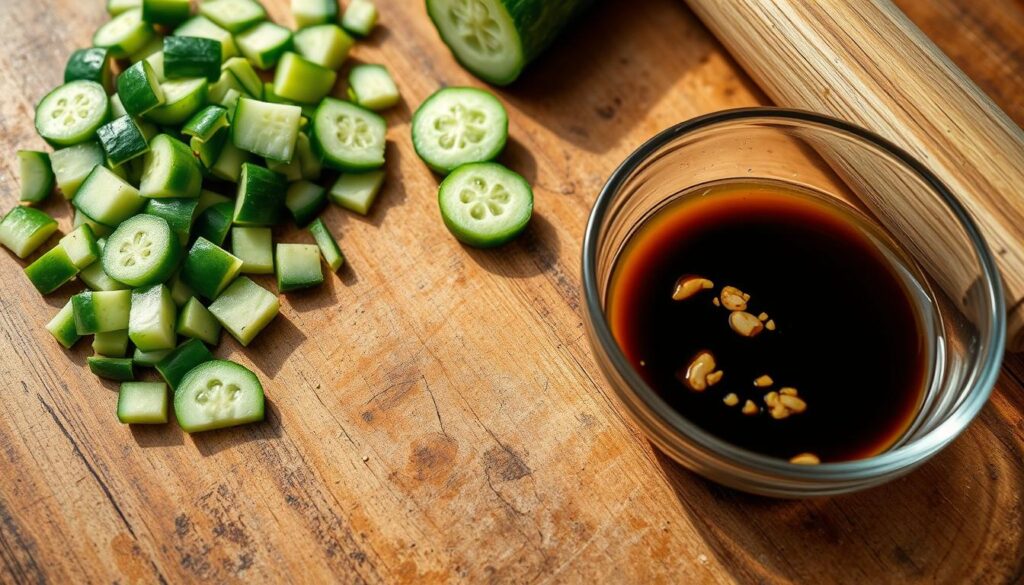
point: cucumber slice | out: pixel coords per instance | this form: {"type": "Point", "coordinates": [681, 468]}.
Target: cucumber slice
{"type": "Point", "coordinates": [24, 229]}
{"type": "Point", "coordinates": [216, 395]}
{"type": "Point", "coordinates": [485, 204]}
{"type": "Point", "coordinates": [357, 191]}
{"type": "Point", "coordinates": [183, 98]}
{"type": "Point", "coordinates": [290, 171]}
{"type": "Point", "coordinates": [62, 327]}
{"type": "Point", "coordinates": [107, 198]}
{"type": "Point", "coordinates": [138, 89]}
{"type": "Point", "coordinates": [166, 12]}
{"type": "Point", "coordinates": [208, 268]}
{"type": "Point", "coordinates": [233, 16]}
{"type": "Point", "coordinates": [100, 230]}
{"type": "Point", "coordinates": [206, 123]}
{"type": "Point", "coordinates": [101, 311]}
{"type": "Point", "coordinates": [170, 170]}
{"type": "Point", "coordinates": [326, 45]}
{"type": "Point", "coordinates": [116, 369]}
{"type": "Point", "coordinates": [81, 246]}
{"type": "Point", "coordinates": [245, 75]}
{"type": "Point", "coordinates": [305, 200]}
{"type": "Point", "coordinates": [371, 86]}
{"type": "Point", "coordinates": [214, 223]}
{"type": "Point", "coordinates": [142, 251]}
{"type": "Point", "coordinates": [122, 140]}
{"type": "Point", "coordinates": [149, 359]}
{"type": "Point", "coordinates": [178, 213]}
{"type": "Point", "coordinates": [92, 64]}
{"type": "Point", "coordinates": [37, 178]}
{"type": "Point", "coordinates": [113, 344]}
{"type": "Point", "coordinates": [254, 246]}
{"type": "Point", "coordinates": [348, 137]}
{"type": "Point", "coordinates": [244, 309]}
{"type": "Point", "coordinates": [327, 244]}
{"type": "Point", "coordinates": [192, 57]}
{"type": "Point", "coordinates": [313, 12]}
{"type": "Point", "coordinates": [181, 292]}
{"type": "Point", "coordinates": [115, 7]}
{"type": "Point", "coordinates": [71, 113]}
{"type": "Point", "coordinates": [94, 277]}
{"type": "Point", "coordinates": [124, 34]}
{"type": "Point", "coordinates": [151, 322]}
{"type": "Point", "coordinates": [142, 402]}
{"type": "Point", "coordinates": [182, 360]}
{"type": "Point", "coordinates": [73, 164]}
{"type": "Point", "coordinates": [197, 322]}
{"type": "Point", "coordinates": [51, 271]}
{"type": "Point", "coordinates": [360, 17]}
{"type": "Point", "coordinates": [264, 43]}
{"type": "Point", "coordinates": [309, 162]}
{"type": "Point", "coordinates": [298, 266]}
{"type": "Point", "coordinates": [301, 80]}
{"type": "Point", "coordinates": [457, 126]}
{"type": "Point", "coordinates": [268, 130]}
{"type": "Point", "coordinates": [229, 164]}
{"type": "Point", "coordinates": [260, 200]}
{"type": "Point", "coordinates": [200, 26]}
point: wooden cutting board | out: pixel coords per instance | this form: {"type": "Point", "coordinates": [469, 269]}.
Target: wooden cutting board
{"type": "Point", "coordinates": [435, 414]}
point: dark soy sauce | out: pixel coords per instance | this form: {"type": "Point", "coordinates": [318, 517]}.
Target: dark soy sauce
{"type": "Point", "coordinates": [848, 332]}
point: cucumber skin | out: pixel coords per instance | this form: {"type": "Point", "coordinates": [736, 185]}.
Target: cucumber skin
{"type": "Point", "coordinates": [116, 369]}
{"type": "Point", "coordinates": [182, 360]}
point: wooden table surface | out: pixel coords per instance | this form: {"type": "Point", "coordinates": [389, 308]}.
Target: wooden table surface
{"type": "Point", "coordinates": [435, 413]}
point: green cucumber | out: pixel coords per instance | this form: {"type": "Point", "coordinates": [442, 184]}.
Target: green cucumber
{"type": "Point", "coordinates": [122, 140]}
{"type": "Point", "coordinates": [149, 359]}
{"type": "Point", "coordinates": [138, 89]}
{"type": "Point", "coordinates": [348, 137]}
{"type": "Point", "coordinates": [496, 39]}
{"type": "Point", "coordinates": [214, 223]}
{"type": "Point", "coordinates": [94, 277]}
{"type": "Point", "coordinates": [327, 244]}
{"type": "Point", "coordinates": [313, 12]}
{"type": "Point", "coordinates": [260, 199]}
{"type": "Point", "coordinates": [107, 198]}
{"type": "Point", "coordinates": [216, 395]}
{"type": "Point", "coordinates": [192, 57]}
{"type": "Point", "coordinates": [208, 199]}
{"type": "Point", "coordinates": [183, 98]}
{"type": "Point", "coordinates": [290, 171]}
{"type": "Point", "coordinates": [357, 191]}
{"type": "Point", "coordinates": [230, 101]}
{"type": "Point", "coordinates": [245, 309]}
{"type": "Point", "coordinates": [298, 266]}
{"type": "Point", "coordinates": [268, 130]}
{"type": "Point", "coordinates": [264, 43]}
{"type": "Point", "coordinates": [73, 164]}
{"type": "Point", "coordinates": [124, 34]}
{"type": "Point", "coordinates": [233, 16]}
{"type": "Point", "coordinates": [37, 178]}
{"type": "Point", "coordinates": [115, 7]}
{"type": "Point", "coordinates": [81, 246]}
{"type": "Point", "coordinates": [325, 44]}
{"type": "Point", "coordinates": [151, 322]}
{"type": "Point", "coordinates": [229, 164]}
{"type": "Point", "coordinates": [371, 86]}
{"type": "Point", "coordinates": [209, 151]}
{"type": "Point", "coordinates": [92, 64]}
{"type": "Point", "coordinates": [300, 80]}
{"type": "Point", "coordinates": [99, 229]}
{"type": "Point", "coordinates": [457, 126]}
{"type": "Point", "coordinates": [227, 82]}
{"type": "Point", "coordinates": [208, 268]}
{"type": "Point", "coordinates": [197, 322]}
{"type": "Point", "coordinates": [156, 62]}
{"type": "Point", "coordinates": [309, 162]}
{"type": "Point", "coordinates": [305, 200]}
{"type": "Point", "coordinates": [182, 360]}
{"type": "Point", "coordinates": [142, 402]}
{"type": "Point", "coordinates": [181, 292]}
{"type": "Point", "coordinates": [485, 204]}
{"type": "Point", "coordinates": [142, 251]}
{"type": "Point", "coordinates": [360, 17]}
{"type": "Point", "coordinates": [101, 311]}
{"type": "Point", "coordinates": [206, 123]}
{"type": "Point", "coordinates": [254, 246]}
{"type": "Point", "coordinates": [62, 327]}
{"type": "Point", "coordinates": [200, 26]}
{"type": "Point", "coordinates": [52, 270]}
{"type": "Point", "coordinates": [245, 75]}
{"type": "Point", "coordinates": [154, 46]}
{"type": "Point", "coordinates": [179, 213]}
{"type": "Point", "coordinates": [116, 369]}
{"type": "Point", "coordinates": [71, 113]}
{"type": "Point", "coordinates": [170, 170]}
{"type": "Point", "coordinates": [166, 12]}
{"type": "Point", "coordinates": [112, 344]}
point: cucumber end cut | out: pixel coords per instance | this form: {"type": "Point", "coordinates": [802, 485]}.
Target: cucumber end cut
{"type": "Point", "coordinates": [482, 36]}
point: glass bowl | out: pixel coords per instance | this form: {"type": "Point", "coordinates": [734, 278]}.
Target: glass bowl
{"type": "Point", "coordinates": [858, 168]}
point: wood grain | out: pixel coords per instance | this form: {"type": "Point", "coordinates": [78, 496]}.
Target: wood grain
{"type": "Point", "coordinates": [435, 414]}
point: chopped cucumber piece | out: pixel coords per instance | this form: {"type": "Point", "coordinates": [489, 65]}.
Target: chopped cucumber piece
{"type": "Point", "coordinates": [214, 223]}
{"type": "Point", "coordinates": [170, 170]}
{"type": "Point", "coordinates": [138, 89]}
{"type": "Point", "coordinates": [116, 369]}
{"type": "Point", "coordinates": [357, 191]}
{"type": "Point", "coordinates": [348, 137]}
{"type": "Point", "coordinates": [81, 246]}
{"type": "Point", "coordinates": [182, 360]}
{"type": "Point", "coordinates": [305, 200]}
{"type": "Point", "coordinates": [457, 126]}
{"type": "Point", "coordinates": [260, 199]}
{"type": "Point", "coordinates": [51, 270]}
{"type": "Point", "coordinates": [264, 43]}
{"type": "Point", "coordinates": [71, 113]}
{"type": "Point", "coordinates": [290, 171]}
{"type": "Point", "coordinates": [225, 83]}
{"type": "Point", "coordinates": [115, 7]}
{"type": "Point", "coordinates": [156, 61]}
{"type": "Point", "coordinates": [230, 101]}
{"type": "Point", "coordinates": [208, 199]}
{"type": "Point", "coordinates": [485, 204]}
{"type": "Point", "coordinates": [116, 106]}
{"type": "Point", "coordinates": [197, 322]}
{"type": "Point", "coordinates": [181, 292]}
{"type": "Point", "coordinates": [229, 164]}
{"type": "Point", "coordinates": [245, 75]}
{"type": "Point", "coordinates": [124, 34]}
{"type": "Point", "coordinates": [208, 151]}
{"type": "Point", "coordinates": [142, 251]}
{"type": "Point", "coordinates": [327, 244]}
{"type": "Point", "coordinates": [254, 246]}
{"type": "Point", "coordinates": [73, 164]}
{"type": "Point", "coordinates": [206, 123]}
{"type": "Point", "coordinates": [233, 16]}
{"type": "Point", "coordinates": [371, 86]}
{"type": "Point", "coordinates": [149, 359]}
{"type": "Point", "coordinates": [216, 395]}
{"type": "Point", "coordinates": [168, 12]}
{"type": "Point", "coordinates": [312, 12]}
{"type": "Point", "coordinates": [122, 140]}
{"type": "Point", "coordinates": [100, 230]}
{"type": "Point", "coordinates": [94, 277]}
{"type": "Point", "coordinates": [208, 268]}
{"type": "Point", "coordinates": [326, 45]}
{"type": "Point", "coordinates": [268, 130]}
{"type": "Point", "coordinates": [101, 311]}
{"type": "Point", "coordinates": [37, 179]}
{"type": "Point", "coordinates": [301, 80]}
{"type": "Point", "coordinates": [309, 162]}
{"type": "Point", "coordinates": [200, 26]}
{"type": "Point", "coordinates": [107, 198]}
{"type": "Point", "coordinates": [155, 45]}
{"type": "Point", "coordinates": [360, 17]}
{"type": "Point", "coordinates": [62, 326]}
{"type": "Point", "coordinates": [152, 319]}
{"type": "Point", "coordinates": [142, 402]}
{"type": "Point", "coordinates": [112, 344]}
{"type": "Point", "coordinates": [298, 266]}
{"type": "Point", "coordinates": [192, 57]}
{"type": "Point", "coordinates": [245, 308]}
{"type": "Point", "coordinates": [92, 64]}
{"type": "Point", "coordinates": [178, 213]}
{"type": "Point", "coordinates": [183, 98]}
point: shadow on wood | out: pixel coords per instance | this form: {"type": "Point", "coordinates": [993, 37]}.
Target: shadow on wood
{"type": "Point", "coordinates": [534, 252]}
{"type": "Point", "coordinates": [213, 442]}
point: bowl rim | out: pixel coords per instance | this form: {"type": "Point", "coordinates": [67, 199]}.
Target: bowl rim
{"type": "Point", "coordinates": [892, 461]}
